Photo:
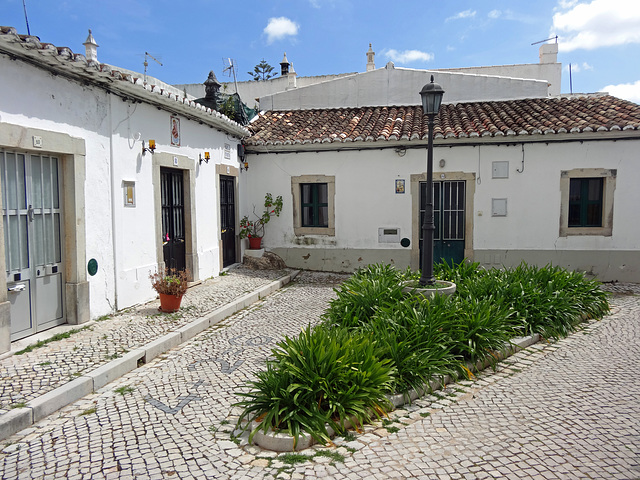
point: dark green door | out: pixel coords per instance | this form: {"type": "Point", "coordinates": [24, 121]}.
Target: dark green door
{"type": "Point", "coordinates": [449, 219]}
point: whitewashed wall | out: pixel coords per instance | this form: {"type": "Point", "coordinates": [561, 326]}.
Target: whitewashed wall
{"type": "Point", "coordinates": [401, 86]}
{"type": "Point", "coordinates": [135, 228]}
{"type": "Point", "coordinates": [122, 240]}
{"type": "Point", "coordinates": [365, 200]}
{"type": "Point", "coordinates": [41, 100]}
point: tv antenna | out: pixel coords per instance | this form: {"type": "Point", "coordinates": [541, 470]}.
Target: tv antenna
{"type": "Point", "coordinates": [546, 40]}
{"type": "Point", "coordinates": [230, 68]}
{"type": "Point", "coordinates": [146, 63]}
{"type": "Point", "coordinates": [26, 19]}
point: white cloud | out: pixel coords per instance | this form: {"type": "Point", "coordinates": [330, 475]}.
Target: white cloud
{"type": "Point", "coordinates": [279, 28]}
{"type": "Point", "coordinates": [601, 23]}
{"type": "Point", "coordinates": [495, 14]}
{"type": "Point", "coordinates": [627, 91]}
{"type": "Point", "coordinates": [408, 56]}
{"type": "Point", "coordinates": [464, 14]}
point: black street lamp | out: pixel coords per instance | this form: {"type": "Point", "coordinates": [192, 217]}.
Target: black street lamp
{"type": "Point", "coordinates": [431, 95]}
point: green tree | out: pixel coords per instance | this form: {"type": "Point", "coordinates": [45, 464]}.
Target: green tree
{"type": "Point", "coordinates": [262, 71]}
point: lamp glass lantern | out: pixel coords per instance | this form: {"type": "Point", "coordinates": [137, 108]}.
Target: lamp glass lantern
{"type": "Point", "coordinates": [431, 95]}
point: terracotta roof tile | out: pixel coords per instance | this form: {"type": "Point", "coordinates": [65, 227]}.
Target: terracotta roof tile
{"type": "Point", "coordinates": [63, 59]}
{"type": "Point", "coordinates": [539, 116]}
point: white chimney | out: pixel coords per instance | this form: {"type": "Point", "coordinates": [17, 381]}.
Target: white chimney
{"type": "Point", "coordinates": [292, 78]}
{"type": "Point", "coordinates": [91, 48]}
{"type": "Point", "coordinates": [549, 53]}
{"type": "Point", "coordinates": [371, 62]}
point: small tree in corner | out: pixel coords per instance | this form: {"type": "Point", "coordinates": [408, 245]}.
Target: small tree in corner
{"type": "Point", "coordinates": [255, 228]}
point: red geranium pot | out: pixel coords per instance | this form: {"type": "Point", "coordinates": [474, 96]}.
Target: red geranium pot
{"type": "Point", "coordinates": [255, 243]}
{"type": "Point", "coordinates": [169, 303]}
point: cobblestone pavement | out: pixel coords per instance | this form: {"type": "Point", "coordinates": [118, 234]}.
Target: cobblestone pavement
{"type": "Point", "coordinates": [568, 409]}
{"type": "Point", "coordinates": [27, 376]}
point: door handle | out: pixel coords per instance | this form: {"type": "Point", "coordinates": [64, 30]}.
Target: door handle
{"type": "Point", "coordinates": [30, 213]}
{"type": "Point", "coordinates": [18, 287]}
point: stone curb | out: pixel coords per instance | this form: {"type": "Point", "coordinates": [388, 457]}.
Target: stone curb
{"type": "Point", "coordinates": [20, 418]}
{"type": "Point", "coordinates": [281, 442]}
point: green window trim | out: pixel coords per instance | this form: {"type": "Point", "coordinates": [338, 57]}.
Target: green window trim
{"type": "Point", "coordinates": [325, 213]}
{"type": "Point", "coordinates": [585, 202]}
{"type": "Point", "coordinates": [314, 205]}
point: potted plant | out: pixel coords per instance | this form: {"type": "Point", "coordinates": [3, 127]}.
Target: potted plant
{"type": "Point", "coordinates": [171, 285]}
{"type": "Point", "coordinates": [254, 229]}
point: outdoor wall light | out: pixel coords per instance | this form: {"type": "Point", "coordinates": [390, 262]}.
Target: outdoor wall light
{"type": "Point", "coordinates": [206, 157]}
{"type": "Point", "coordinates": [151, 148]}
{"type": "Point", "coordinates": [244, 165]}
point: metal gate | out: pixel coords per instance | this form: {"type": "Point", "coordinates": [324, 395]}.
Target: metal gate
{"type": "Point", "coordinates": [228, 220]}
{"type": "Point", "coordinates": [173, 238]}
{"type": "Point", "coordinates": [32, 231]}
{"type": "Point", "coordinates": [449, 219]}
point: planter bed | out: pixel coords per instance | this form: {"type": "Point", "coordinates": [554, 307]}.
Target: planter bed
{"type": "Point", "coordinates": [282, 442]}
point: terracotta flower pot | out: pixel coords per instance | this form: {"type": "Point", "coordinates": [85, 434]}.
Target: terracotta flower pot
{"type": "Point", "coordinates": [169, 303]}
{"type": "Point", "coordinates": [255, 243]}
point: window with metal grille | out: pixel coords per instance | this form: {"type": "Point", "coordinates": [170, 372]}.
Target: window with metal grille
{"type": "Point", "coordinates": [314, 203]}
{"type": "Point", "coordinates": [585, 202]}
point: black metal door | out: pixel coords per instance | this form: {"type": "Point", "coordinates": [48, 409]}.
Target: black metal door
{"type": "Point", "coordinates": [228, 220]}
{"type": "Point", "coordinates": [173, 240]}
{"type": "Point", "coordinates": [449, 219]}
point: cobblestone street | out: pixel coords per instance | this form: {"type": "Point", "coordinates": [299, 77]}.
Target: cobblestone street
{"type": "Point", "coordinates": [563, 410]}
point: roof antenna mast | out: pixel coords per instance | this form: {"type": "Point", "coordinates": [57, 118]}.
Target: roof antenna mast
{"type": "Point", "coordinates": [24, 6]}
{"type": "Point", "coordinates": [146, 64]}
{"type": "Point", "coordinates": [231, 67]}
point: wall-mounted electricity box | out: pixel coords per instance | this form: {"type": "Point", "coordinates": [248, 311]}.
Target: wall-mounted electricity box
{"type": "Point", "coordinates": [388, 235]}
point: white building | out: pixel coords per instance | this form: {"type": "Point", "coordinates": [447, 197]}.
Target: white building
{"type": "Point", "coordinates": [535, 180]}
{"type": "Point", "coordinates": [89, 208]}
{"type": "Point", "coordinates": [391, 85]}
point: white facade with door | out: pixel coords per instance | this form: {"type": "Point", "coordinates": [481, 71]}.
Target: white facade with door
{"type": "Point", "coordinates": [515, 201]}
{"type": "Point", "coordinates": [82, 203]}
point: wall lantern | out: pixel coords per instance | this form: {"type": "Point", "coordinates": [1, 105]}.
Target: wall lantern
{"type": "Point", "coordinates": [206, 157]}
{"type": "Point", "coordinates": [151, 148]}
{"type": "Point", "coordinates": [431, 95]}
{"type": "Point", "coordinates": [242, 157]}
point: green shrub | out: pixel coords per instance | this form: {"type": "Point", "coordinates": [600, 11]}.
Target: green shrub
{"type": "Point", "coordinates": [411, 335]}
{"type": "Point", "coordinates": [480, 327]}
{"type": "Point", "coordinates": [363, 293]}
{"type": "Point", "coordinates": [322, 377]}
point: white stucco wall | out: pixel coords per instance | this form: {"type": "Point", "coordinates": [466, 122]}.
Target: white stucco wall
{"type": "Point", "coordinates": [135, 229]}
{"type": "Point", "coordinates": [123, 240]}
{"type": "Point", "coordinates": [549, 72]}
{"type": "Point", "coordinates": [365, 197]}
{"type": "Point", "coordinates": [401, 86]}
{"type": "Point", "coordinates": [41, 100]}
{"type": "Point", "coordinates": [249, 91]}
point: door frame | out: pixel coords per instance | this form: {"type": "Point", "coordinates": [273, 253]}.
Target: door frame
{"type": "Point", "coordinates": [71, 153]}
{"type": "Point", "coordinates": [177, 162]}
{"type": "Point", "coordinates": [227, 171]}
{"type": "Point", "coordinates": [470, 190]}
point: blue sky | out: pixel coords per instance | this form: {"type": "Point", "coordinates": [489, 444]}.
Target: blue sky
{"type": "Point", "coordinates": [600, 38]}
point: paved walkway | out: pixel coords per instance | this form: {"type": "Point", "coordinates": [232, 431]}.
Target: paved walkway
{"type": "Point", "coordinates": [569, 409]}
